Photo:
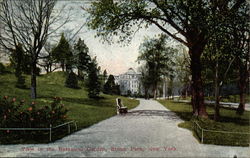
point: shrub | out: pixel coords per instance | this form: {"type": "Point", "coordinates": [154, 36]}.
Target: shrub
{"type": "Point", "coordinates": [20, 82]}
{"type": "Point", "coordinates": [93, 82]}
{"type": "Point", "coordinates": [71, 81]}
{"type": "Point", "coordinates": [15, 115]}
{"type": "Point", "coordinates": [2, 68]}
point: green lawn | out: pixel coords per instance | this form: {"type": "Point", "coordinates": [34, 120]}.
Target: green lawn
{"type": "Point", "coordinates": [229, 121]}
{"type": "Point", "coordinates": [231, 98]}
{"type": "Point", "coordinates": [81, 109]}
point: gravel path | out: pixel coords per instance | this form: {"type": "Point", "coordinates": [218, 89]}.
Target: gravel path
{"type": "Point", "coordinates": [150, 130]}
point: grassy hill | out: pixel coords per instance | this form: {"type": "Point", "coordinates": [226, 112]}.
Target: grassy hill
{"type": "Point", "coordinates": [81, 109]}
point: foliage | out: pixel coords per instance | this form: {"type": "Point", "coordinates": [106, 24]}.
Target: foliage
{"type": "Point", "coordinates": [182, 70]}
{"type": "Point", "coordinates": [81, 51]}
{"type": "Point", "coordinates": [93, 82]}
{"type": "Point", "coordinates": [157, 57]}
{"type": "Point", "coordinates": [14, 115]}
{"type": "Point", "coordinates": [71, 80]}
{"type": "Point", "coordinates": [2, 68]}
{"type": "Point", "coordinates": [170, 86]}
{"type": "Point", "coordinates": [62, 53]}
{"type": "Point", "coordinates": [105, 74]}
{"type": "Point", "coordinates": [103, 78]}
{"type": "Point", "coordinates": [20, 64]}
{"type": "Point", "coordinates": [48, 61]}
{"type": "Point", "coordinates": [20, 82]}
{"type": "Point", "coordinates": [110, 87]}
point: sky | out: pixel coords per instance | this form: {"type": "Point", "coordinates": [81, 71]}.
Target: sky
{"type": "Point", "coordinates": [115, 58]}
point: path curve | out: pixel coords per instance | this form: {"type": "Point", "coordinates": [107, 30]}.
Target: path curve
{"type": "Point", "coordinates": [150, 130]}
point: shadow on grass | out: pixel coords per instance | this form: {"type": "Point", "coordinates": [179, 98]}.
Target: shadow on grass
{"type": "Point", "coordinates": [236, 120]}
{"type": "Point", "coordinates": [101, 101]}
{"type": "Point", "coordinates": [187, 116]}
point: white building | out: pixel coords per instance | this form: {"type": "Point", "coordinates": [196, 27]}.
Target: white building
{"type": "Point", "coordinates": [129, 81]}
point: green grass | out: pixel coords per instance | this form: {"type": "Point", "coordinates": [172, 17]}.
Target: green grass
{"type": "Point", "coordinates": [81, 109]}
{"type": "Point", "coordinates": [231, 98]}
{"type": "Point", "coordinates": [229, 121]}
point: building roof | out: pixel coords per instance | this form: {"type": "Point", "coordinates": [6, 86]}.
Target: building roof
{"type": "Point", "coordinates": [130, 71]}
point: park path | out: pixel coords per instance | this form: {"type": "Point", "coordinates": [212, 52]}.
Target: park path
{"type": "Point", "coordinates": [150, 130]}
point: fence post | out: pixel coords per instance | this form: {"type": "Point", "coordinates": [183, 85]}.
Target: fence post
{"type": "Point", "coordinates": [68, 128]}
{"type": "Point", "coordinates": [202, 135]}
{"type": "Point", "coordinates": [50, 134]}
{"type": "Point", "coordinates": [76, 125]}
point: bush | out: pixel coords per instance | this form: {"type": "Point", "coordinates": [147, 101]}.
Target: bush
{"type": "Point", "coordinates": [20, 82]}
{"type": "Point", "coordinates": [71, 81]}
{"type": "Point", "coordinates": [15, 115]}
{"type": "Point", "coordinates": [2, 68]}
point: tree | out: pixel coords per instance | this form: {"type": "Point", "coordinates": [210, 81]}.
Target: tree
{"type": "Point", "coordinates": [225, 47]}
{"type": "Point", "coordinates": [218, 60]}
{"type": "Point", "coordinates": [2, 68]}
{"type": "Point", "coordinates": [48, 61]}
{"type": "Point", "coordinates": [190, 20]}
{"type": "Point", "coordinates": [19, 63]}
{"type": "Point", "coordinates": [81, 51]}
{"type": "Point", "coordinates": [241, 45]}
{"type": "Point", "coordinates": [71, 80]}
{"type": "Point", "coordinates": [157, 57]}
{"type": "Point", "coordinates": [145, 79]}
{"type": "Point", "coordinates": [182, 70]}
{"type": "Point", "coordinates": [63, 54]}
{"type": "Point", "coordinates": [170, 85]}
{"type": "Point", "coordinates": [109, 86]}
{"type": "Point", "coordinates": [28, 22]}
{"type": "Point", "coordinates": [93, 82]}
{"type": "Point", "coordinates": [105, 74]}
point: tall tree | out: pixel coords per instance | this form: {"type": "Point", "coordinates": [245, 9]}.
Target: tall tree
{"type": "Point", "coordinates": [63, 54]}
{"type": "Point", "coordinates": [241, 45]}
{"type": "Point", "coordinates": [105, 74]}
{"type": "Point", "coordinates": [191, 20]}
{"type": "Point", "coordinates": [109, 85]}
{"type": "Point", "coordinates": [19, 62]}
{"type": "Point", "coordinates": [28, 22]}
{"type": "Point", "coordinates": [226, 46]}
{"type": "Point", "coordinates": [182, 70]}
{"type": "Point", "coordinates": [157, 57]}
{"type": "Point", "coordinates": [218, 59]}
{"type": "Point", "coordinates": [48, 60]}
{"type": "Point", "coordinates": [145, 79]}
{"type": "Point", "coordinates": [93, 82]}
{"type": "Point", "coordinates": [81, 51]}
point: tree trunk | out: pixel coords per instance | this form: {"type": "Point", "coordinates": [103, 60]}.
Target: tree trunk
{"type": "Point", "coordinates": [50, 67]}
{"type": "Point", "coordinates": [33, 80]}
{"type": "Point", "coordinates": [199, 108]}
{"type": "Point", "coordinates": [242, 86]}
{"type": "Point", "coordinates": [146, 93]}
{"type": "Point", "coordinates": [63, 66]}
{"type": "Point", "coordinates": [216, 93]}
{"type": "Point", "coordinates": [241, 107]}
{"type": "Point", "coordinates": [243, 82]}
{"type": "Point", "coordinates": [164, 89]}
{"type": "Point", "coordinates": [155, 91]}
